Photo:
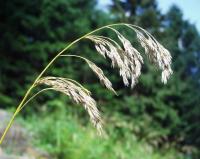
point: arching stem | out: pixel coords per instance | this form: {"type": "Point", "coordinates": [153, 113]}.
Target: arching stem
{"type": "Point", "coordinates": [20, 106]}
{"type": "Point", "coordinates": [36, 94]}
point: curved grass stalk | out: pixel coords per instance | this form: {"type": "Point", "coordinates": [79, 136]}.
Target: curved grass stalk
{"type": "Point", "coordinates": [127, 70]}
{"type": "Point", "coordinates": [42, 72]}
{"type": "Point", "coordinates": [117, 32]}
{"type": "Point", "coordinates": [104, 37]}
{"type": "Point", "coordinates": [32, 97]}
{"type": "Point", "coordinates": [81, 57]}
{"type": "Point", "coordinates": [97, 71]}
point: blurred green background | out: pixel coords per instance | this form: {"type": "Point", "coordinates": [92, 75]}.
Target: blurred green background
{"type": "Point", "coordinates": [151, 121]}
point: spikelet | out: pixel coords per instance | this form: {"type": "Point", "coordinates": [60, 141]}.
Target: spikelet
{"type": "Point", "coordinates": [155, 51]}
{"type": "Point", "coordinates": [77, 94]}
{"type": "Point", "coordinates": [106, 48]}
{"type": "Point", "coordinates": [132, 58]}
{"type": "Point", "coordinates": [103, 79]}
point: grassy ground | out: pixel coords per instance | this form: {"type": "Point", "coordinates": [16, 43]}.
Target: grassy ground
{"type": "Point", "coordinates": [66, 136]}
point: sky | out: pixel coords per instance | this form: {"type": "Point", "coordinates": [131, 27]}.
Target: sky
{"type": "Point", "coordinates": [189, 8]}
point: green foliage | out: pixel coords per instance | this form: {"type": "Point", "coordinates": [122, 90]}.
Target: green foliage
{"type": "Point", "coordinates": [170, 108]}
{"type": "Point", "coordinates": [61, 134]}
{"type": "Point", "coordinates": [32, 32]}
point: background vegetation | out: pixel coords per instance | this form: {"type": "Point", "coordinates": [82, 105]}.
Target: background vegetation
{"type": "Point", "coordinates": [149, 122]}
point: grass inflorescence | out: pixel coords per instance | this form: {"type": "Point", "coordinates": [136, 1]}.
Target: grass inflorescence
{"type": "Point", "coordinates": [123, 55]}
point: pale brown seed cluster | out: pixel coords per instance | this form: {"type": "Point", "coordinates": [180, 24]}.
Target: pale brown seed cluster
{"type": "Point", "coordinates": [119, 58]}
{"type": "Point", "coordinates": [132, 58]}
{"type": "Point", "coordinates": [155, 51]}
{"type": "Point", "coordinates": [128, 59]}
{"type": "Point", "coordinates": [76, 93]}
{"type": "Point", "coordinates": [103, 79]}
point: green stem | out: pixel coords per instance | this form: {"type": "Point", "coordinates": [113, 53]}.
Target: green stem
{"type": "Point", "coordinates": [81, 57]}
{"type": "Point", "coordinates": [43, 71]}
{"type": "Point", "coordinates": [45, 89]}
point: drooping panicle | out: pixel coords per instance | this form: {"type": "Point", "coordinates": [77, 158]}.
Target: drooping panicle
{"type": "Point", "coordinates": [103, 79]}
{"type": "Point", "coordinates": [132, 57]}
{"type": "Point", "coordinates": [77, 94]}
{"type": "Point", "coordinates": [130, 60]}
{"type": "Point", "coordinates": [127, 59]}
{"type": "Point", "coordinates": [98, 71]}
{"type": "Point", "coordinates": [107, 49]}
{"type": "Point", "coordinates": [155, 51]}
